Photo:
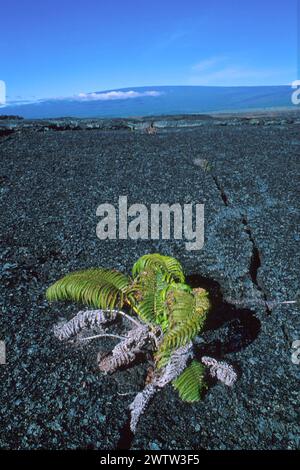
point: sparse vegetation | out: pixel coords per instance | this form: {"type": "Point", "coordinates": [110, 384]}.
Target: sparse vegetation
{"type": "Point", "coordinates": [165, 313]}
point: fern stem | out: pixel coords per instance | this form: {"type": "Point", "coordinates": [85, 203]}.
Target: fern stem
{"type": "Point", "coordinates": [103, 336]}
{"type": "Point", "coordinates": [130, 318]}
{"type": "Point", "coordinates": [135, 309]}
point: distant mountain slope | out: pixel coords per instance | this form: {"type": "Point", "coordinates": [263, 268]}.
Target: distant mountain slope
{"type": "Point", "coordinates": [143, 101]}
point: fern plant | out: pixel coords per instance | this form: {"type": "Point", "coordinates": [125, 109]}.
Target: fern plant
{"type": "Point", "coordinates": [166, 314]}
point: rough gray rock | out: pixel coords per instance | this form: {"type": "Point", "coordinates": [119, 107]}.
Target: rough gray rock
{"type": "Point", "coordinates": [51, 185]}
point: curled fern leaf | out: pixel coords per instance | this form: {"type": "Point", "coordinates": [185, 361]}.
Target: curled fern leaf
{"type": "Point", "coordinates": [190, 383]}
{"type": "Point", "coordinates": [183, 332]}
{"type": "Point", "coordinates": [190, 312]}
{"type": "Point", "coordinates": [202, 302]}
{"type": "Point", "coordinates": [146, 308]}
{"type": "Point", "coordinates": [148, 289]}
{"type": "Point", "coordinates": [180, 302]}
{"type": "Point", "coordinates": [99, 288]}
{"type": "Point", "coordinates": [169, 266]}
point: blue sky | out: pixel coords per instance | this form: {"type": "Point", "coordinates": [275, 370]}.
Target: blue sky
{"type": "Point", "coordinates": [63, 48]}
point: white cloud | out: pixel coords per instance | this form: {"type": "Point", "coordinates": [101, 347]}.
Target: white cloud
{"type": "Point", "coordinates": [114, 95]}
{"type": "Point", "coordinates": [104, 96]}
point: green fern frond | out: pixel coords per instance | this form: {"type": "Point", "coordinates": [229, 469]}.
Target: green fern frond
{"type": "Point", "coordinates": [162, 358]}
{"type": "Point", "coordinates": [100, 288]}
{"type": "Point", "coordinates": [190, 310]}
{"type": "Point", "coordinates": [148, 289]}
{"type": "Point", "coordinates": [146, 307]}
{"type": "Point", "coordinates": [169, 266]}
{"type": "Point", "coordinates": [190, 383]}
{"type": "Point", "coordinates": [183, 332]}
{"type": "Point", "coordinates": [202, 302]}
{"type": "Point", "coordinates": [180, 303]}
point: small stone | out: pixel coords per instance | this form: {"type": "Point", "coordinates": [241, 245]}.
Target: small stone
{"type": "Point", "coordinates": [154, 446]}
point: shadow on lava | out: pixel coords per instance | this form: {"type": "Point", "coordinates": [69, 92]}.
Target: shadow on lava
{"type": "Point", "coordinates": [228, 329]}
